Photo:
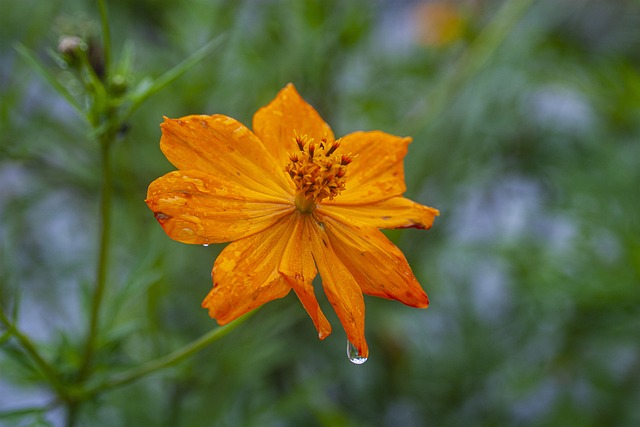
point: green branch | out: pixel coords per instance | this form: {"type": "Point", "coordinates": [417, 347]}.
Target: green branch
{"type": "Point", "coordinates": [27, 345]}
{"type": "Point", "coordinates": [30, 59]}
{"type": "Point", "coordinates": [106, 36]}
{"type": "Point", "coordinates": [168, 360]}
{"type": "Point", "coordinates": [144, 91]}
{"type": "Point", "coordinates": [20, 412]}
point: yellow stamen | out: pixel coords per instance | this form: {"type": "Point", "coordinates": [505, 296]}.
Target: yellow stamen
{"type": "Point", "coordinates": [317, 171]}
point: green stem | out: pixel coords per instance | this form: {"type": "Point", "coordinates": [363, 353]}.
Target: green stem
{"type": "Point", "coordinates": [19, 412]}
{"type": "Point", "coordinates": [47, 370]}
{"type": "Point", "coordinates": [168, 360]}
{"type": "Point", "coordinates": [31, 59]}
{"type": "Point", "coordinates": [106, 36]}
{"type": "Point", "coordinates": [103, 257]}
{"type": "Point", "coordinates": [71, 414]}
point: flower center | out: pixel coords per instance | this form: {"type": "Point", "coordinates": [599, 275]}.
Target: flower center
{"type": "Point", "coordinates": [317, 171]}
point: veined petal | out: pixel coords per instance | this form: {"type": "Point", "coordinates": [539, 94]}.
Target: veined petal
{"type": "Point", "coordinates": [377, 170]}
{"type": "Point", "coordinates": [377, 265]}
{"type": "Point", "coordinates": [245, 274]}
{"type": "Point", "coordinates": [299, 269]}
{"type": "Point", "coordinates": [198, 207]}
{"type": "Point", "coordinates": [221, 145]}
{"type": "Point", "coordinates": [339, 285]}
{"type": "Point", "coordinates": [288, 115]}
{"type": "Point", "coordinates": [396, 212]}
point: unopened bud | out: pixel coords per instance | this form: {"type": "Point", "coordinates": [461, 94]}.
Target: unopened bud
{"type": "Point", "coordinates": [70, 47]}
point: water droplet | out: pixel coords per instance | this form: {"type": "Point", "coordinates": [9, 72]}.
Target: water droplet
{"type": "Point", "coordinates": [352, 354]}
{"type": "Point", "coordinates": [186, 232]}
{"type": "Point", "coordinates": [205, 245]}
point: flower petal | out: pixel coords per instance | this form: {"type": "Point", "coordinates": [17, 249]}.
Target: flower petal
{"type": "Point", "coordinates": [194, 207]}
{"type": "Point", "coordinates": [223, 146]}
{"type": "Point", "coordinates": [396, 212]}
{"type": "Point", "coordinates": [377, 170]}
{"type": "Point", "coordinates": [288, 115]}
{"type": "Point", "coordinates": [377, 265]}
{"type": "Point", "coordinates": [339, 285]}
{"type": "Point", "coordinates": [245, 274]}
{"type": "Point", "coordinates": [298, 267]}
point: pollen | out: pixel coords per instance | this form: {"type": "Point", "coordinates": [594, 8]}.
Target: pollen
{"type": "Point", "coordinates": [317, 171]}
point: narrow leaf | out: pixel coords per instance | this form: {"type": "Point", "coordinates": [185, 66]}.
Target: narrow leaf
{"type": "Point", "coordinates": [146, 89]}
{"type": "Point", "coordinates": [30, 58]}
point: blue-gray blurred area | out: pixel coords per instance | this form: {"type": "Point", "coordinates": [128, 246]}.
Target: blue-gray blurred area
{"type": "Point", "coordinates": [529, 144]}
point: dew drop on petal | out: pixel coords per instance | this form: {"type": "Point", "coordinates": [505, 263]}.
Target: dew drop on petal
{"type": "Point", "coordinates": [186, 232]}
{"type": "Point", "coordinates": [205, 245]}
{"type": "Point", "coordinates": [352, 354]}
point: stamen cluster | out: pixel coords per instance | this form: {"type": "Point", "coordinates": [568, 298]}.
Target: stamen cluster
{"type": "Point", "coordinates": [316, 169]}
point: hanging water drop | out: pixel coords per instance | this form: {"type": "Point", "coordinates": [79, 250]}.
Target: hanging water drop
{"type": "Point", "coordinates": [205, 245]}
{"type": "Point", "coordinates": [353, 355]}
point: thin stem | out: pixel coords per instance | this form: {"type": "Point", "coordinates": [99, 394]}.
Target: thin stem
{"type": "Point", "coordinates": [30, 58]}
{"type": "Point", "coordinates": [103, 257]}
{"type": "Point", "coordinates": [71, 413]}
{"type": "Point", "coordinates": [17, 412]}
{"type": "Point", "coordinates": [168, 360]}
{"type": "Point", "coordinates": [48, 371]}
{"type": "Point", "coordinates": [171, 75]}
{"type": "Point", "coordinates": [106, 36]}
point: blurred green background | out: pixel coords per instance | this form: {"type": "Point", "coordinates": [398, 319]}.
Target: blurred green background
{"type": "Point", "coordinates": [526, 124]}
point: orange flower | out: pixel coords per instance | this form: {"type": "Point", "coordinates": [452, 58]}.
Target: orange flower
{"type": "Point", "coordinates": [292, 200]}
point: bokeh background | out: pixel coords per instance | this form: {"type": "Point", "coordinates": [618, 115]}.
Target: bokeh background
{"type": "Point", "coordinates": [526, 124]}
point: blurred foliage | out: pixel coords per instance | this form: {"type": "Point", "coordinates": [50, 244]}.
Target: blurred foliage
{"type": "Point", "coordinates": [533, 268]}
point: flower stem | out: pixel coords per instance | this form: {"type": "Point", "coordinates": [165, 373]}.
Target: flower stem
{"type": "Point", "coordinates": [103, 256]}
{"type": "Point", "coordinates": [106, 35]}
{"type": "Point", "coordinates": [168, 360]}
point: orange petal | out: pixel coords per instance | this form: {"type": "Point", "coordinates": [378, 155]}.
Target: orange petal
{"type": "Point", "coordinates": [377, 171]}
{"type": "Point", "coordinates": [194, 207]}
{"type": "Point", "coordinates": [288, 115]}
{"type": "Point", "coordinates": [299, 269]}
{"type": "Point", "coordinates": [223, 146]}
{"type": "Point", "coordinates": [396, 212]}
{"type": "Point", "coordinates": [377, 265]}
{"type": "Point", "coordinates": [245, 274]}
{"type": "Point", "coordinates": [339, 285]}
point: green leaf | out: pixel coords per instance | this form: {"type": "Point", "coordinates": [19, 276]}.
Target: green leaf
{"type": "Point", "coordinates": [146, 89]}
{"type": "Point", "coordinates": [30, 58]}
